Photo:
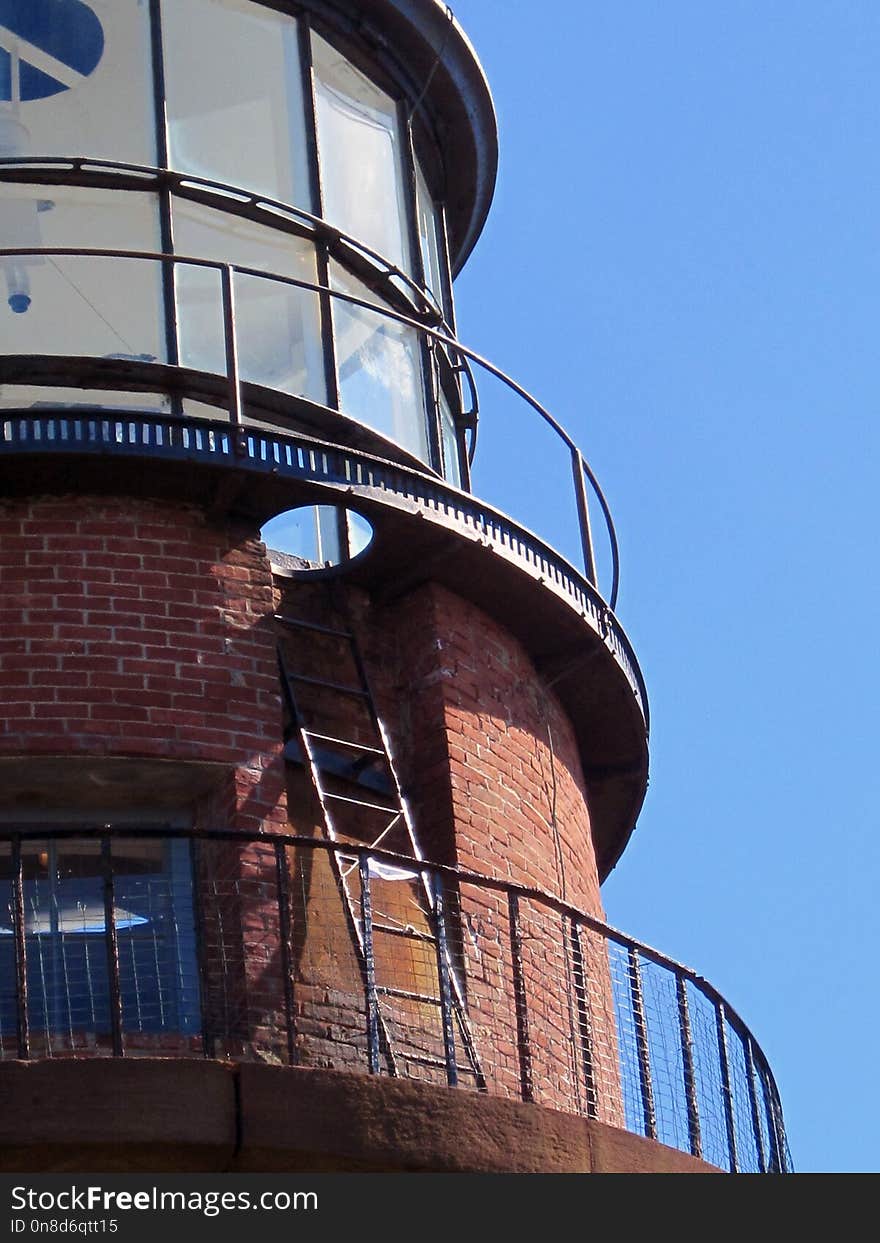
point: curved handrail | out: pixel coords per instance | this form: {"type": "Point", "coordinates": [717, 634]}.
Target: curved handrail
{"type": "Point", "coordinates": [580, 467]}
{"type": "Point", "coordinates": [57, 170]}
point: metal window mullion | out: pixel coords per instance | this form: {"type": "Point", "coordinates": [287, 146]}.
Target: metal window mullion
{"type": "Point", "coordinates": [112, 943]}
{"type": "Point", "coordinates": [726, 1088]}
{"type": "Point", "coordinates": [18, 924]}
{"type": "Point", "coordinates": [695, 1138]}
{"type": "Point", "coordinates": [166, 224]}
{"type": "Point", "coordinates": [464, 465]}
{"type": "Point", "coordinates": [430, 379]}
{"type": "Point", "coordinates": [322, 252]}
{"type": "Point", "coordinates": [642, 1047]}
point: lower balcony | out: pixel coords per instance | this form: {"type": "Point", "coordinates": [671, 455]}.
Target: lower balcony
{"type": "Point", "coordinates": [481, 999]}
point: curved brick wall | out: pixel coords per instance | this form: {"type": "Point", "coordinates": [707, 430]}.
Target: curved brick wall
{"type": "Point", "coordinates": [488, 761]}
{"type": "Point", "coordinates": [136, 628]}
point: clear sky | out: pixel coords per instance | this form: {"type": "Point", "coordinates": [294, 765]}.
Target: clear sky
{"type": "Point", "coordinates": [682, 261]}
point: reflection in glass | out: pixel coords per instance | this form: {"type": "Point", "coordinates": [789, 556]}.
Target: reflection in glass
{"type": "Point", "coordinates": [235, 103]}
{"type": "Point", "coordinates": [99, 307]}
{"type": "Point", "coordinates": [278, 330]}
{"type": "Point", "coordinates": [380, 368]}
{"type": "Point", "coordinates": [359, 142]}
{"type": "Point", "coordinates": [65, 71]}
{"type": "Point", "coordinates": [322, 535]}
{"type": "Point", "coordinates": [429, 239]}
{"type": "Point", "coordinates": [65, 940]}
{"type": "Point", "coordinates": [449, 440]}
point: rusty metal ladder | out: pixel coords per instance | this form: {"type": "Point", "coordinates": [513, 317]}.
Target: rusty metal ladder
{"type": "Point", "coordinates": [370, 767]}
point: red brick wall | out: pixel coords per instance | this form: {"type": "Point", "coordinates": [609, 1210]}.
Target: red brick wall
{"type": "Point", "coordinates": [471, 726]}
{"type": "Point", "coordinates": [137, 628]}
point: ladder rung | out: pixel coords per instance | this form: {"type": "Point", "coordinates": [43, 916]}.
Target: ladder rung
{"type": "Point", "coordinates": [344, 742]}
{"type": "Point", "coordinates": [402, 993]}
{"type": "Point", "coordinates": [424, 1060]}
{"type": "Point", "coordinates": [330, 686]}
{"type": "Point", "coordinates": [411, 934]}
{"type": "Point", "coordinates": [307, 625]}
{"type": "Point", "coordinates": [358, 802]}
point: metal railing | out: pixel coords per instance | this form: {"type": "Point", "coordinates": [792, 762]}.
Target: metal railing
{"type": "Point", "coordinates": [460, 358]}
{"type": "Point", "coordinates": [299, 951]}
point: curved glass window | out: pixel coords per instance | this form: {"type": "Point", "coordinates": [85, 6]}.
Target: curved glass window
{"type": "Point", "coordinates": [234, 96]}
{"type": "Point", "coordinates": [359, 142]}
{"type": "Point", "coordinates": [69, 304]}
{"type": "Point", "coordinates": [278, 327]}
{"type": "Point", "coordinates": [429, 240]}
{"type": "Point", "coordinates": [76, 79]}
{"type": "Point", "coordinates": [381, 382]}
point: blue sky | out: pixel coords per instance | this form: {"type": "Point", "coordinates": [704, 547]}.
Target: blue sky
{"type": "Point", "coordinates": [683, 263]}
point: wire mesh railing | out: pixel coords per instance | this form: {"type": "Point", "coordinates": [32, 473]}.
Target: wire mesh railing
{"type": "Point", "coordinates": [299, 951]}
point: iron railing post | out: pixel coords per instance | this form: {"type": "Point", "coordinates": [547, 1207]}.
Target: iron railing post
{"type": "Point", "coordinates": [112, 943]}
{"type": "Point", "coordinates": [230, 340]}
{"type": "Point", "coordinates": [284, 929]}
{"type": "Point", "coordinates": [21, 983]}
{"type": "Point", "coordinates": [523, 1042]}
{"type": "Point", "coordinates": [583, 510]}
{"type": "Point", "coordinates": [753, 1103]}
{"type": "Point", "coordinates": [643, 1051]}
{"type": "Point", "coordinates": [370, 995]}
{"type": "Point", "coordinates": [687, 1061]}
{"type": "Point", "coordinates": [209, 1048]}
{"type": "Point", "coordinates": [584, 1019]}
{"type": "Point", "coordinates": [726, 1088]}
{"type": "Point", "coordinates": [439, 905]}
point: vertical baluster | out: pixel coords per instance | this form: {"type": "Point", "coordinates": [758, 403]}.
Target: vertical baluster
{"type": "Point", "coordinates": [444, 979]}
{"type": "Point", "coordinates": [753, 1104]}
{"type": "Point", "coordinates": [283, 883]}
{"type": "Point", "coordinates": [112, 943]}
{"type": "Point", "coordinates": [584, 1019]}
{"type": "Point", "coordinates": [583, 509]}
{"type": "Point", "coordinates": [642, 1049]}
{"type": "Point", "coordinates": [687, 1060]}
{"type": "Point", "coordinates": [371, 997]}
{"type": "Point", "coordinates": [726, 1089]}
{"type": "Point", "coordinates": [21, 990]}
{"type": "Point", "coordinates": [523, 1043]}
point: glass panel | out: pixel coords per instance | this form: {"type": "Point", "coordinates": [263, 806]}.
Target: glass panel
{"type": "Point", "coordinates": [68, 989]}
{"type": "Point", "coordinates": [235, 104]}
{"type": "Point", "coordinates": [76, 79]}
{"type": "Point", "coordinates": [449, 437]}
{"type": "Point", "coordinates": [158, 973]}
{"type": "Point", "coordinates": [429, 239]}
{"type": "Point", "coordinates": [312, 534]}
{"type": "Point", "coordinates": [380, 368]}
{"type": "Point", "coordinates": [359, 143]}
{"type": "Point", "coordinates": [8, 978]}
{"type": "Point", "coordinates": [278, 328]}
{"type": "Point", "coordinates": [103, 307]}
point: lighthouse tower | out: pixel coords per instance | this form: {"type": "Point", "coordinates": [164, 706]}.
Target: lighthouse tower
{"type": "Point", "coordinates": [312, 761]}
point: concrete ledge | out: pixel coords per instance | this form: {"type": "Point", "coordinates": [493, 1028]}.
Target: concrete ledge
{"type": "Point", "coordinates": [157, 1115]}
{"type": "Point", "coordinates": [117, 1115]}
